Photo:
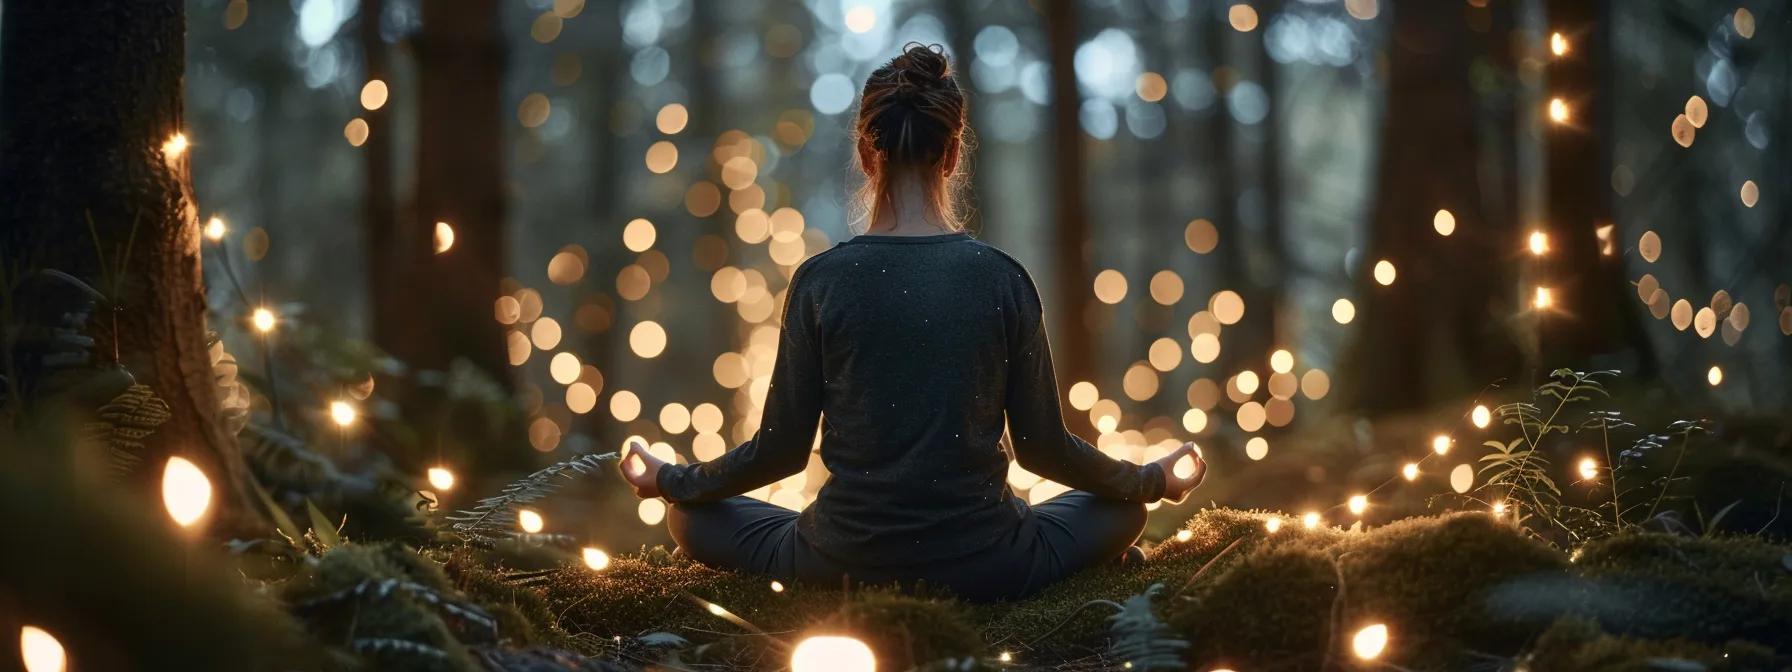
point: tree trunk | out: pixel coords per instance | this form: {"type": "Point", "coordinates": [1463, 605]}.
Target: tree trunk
{"type": "Point", "coordinates": [1445, 328]}
{"type": "Point", "coordinates": [1070, 272]}
{"type": "Point", "coordinates": [442, 307]}
{"type": "Point", "coordinates": [88, 100]}
{"type": "Point", "coordinates": [379, 219]}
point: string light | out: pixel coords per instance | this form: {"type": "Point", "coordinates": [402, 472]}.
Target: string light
{"type": "Point", "coordinates": [1539, 243]}
{"type": "Point", "coordinates": [1715, 375]}
{"type": "Point", "coordinates": [1558, 44]}
{"type": "Point", "coordinates": [175, 146]}
{"type": "Point", "coordinates": [1370, 641]}
{"type": "Point", "coordinates": [343, 413]}
{"type": "Point", "coordinates": [444, 237]}
{"type": "Point", "coordinates": [1499, 509]}
{"type": "Point", "coordinates": [832, 653]}
{"type": "Point", "coordinates": [1589, 468]}
{"type": "Point", "coordinates": [1384, 272]}
{"type": "Point", "coordinates": [441, 478]}
{"type": "Point", "coordinates": [1444, 222]}
{"type": "Point", "coordinates": [214, 229]}
{"type": "Point", "coordinates": [777, 586]}
{"type": "Point", "coordinates": [1358, 504]}
{"type": "Point", "coordinates": [530, 521]}
{"type": "Point", "coordinates": [1440, 444]}
{"type": "Point", "coordinates": [1184, 535]}
{"type": "Point", "coordinates": [1310, 520]}
{"type": "Point", "coordinates": [263, 319]}
{"type": "Point", "coordinates": [186, 492]}
{"type": "Point", "coordinates": [1410, 471]}
{"type": "Point", "coordinates": [1273, 525]}
{"type": "Point", "coordinates": [1006, 657]}
{"type": "Point", "coordinates": [1558, 110]}
{"type": "Point", "coordinates": [595, 558]}
{"type": "Point", "coordinates": [41, 651]}
{"type": "Point", "coordinates": [1543, 299]}
{"type": "Point", "coordinates": [1481, 416]}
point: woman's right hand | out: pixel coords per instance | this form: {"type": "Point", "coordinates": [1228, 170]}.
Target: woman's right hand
{"type": "Point", "coordinates": [1179, 481]}
{"type": "Point", "coordinates": [641, 469]}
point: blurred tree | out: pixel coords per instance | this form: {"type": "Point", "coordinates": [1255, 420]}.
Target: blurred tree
{"type": "Point", "coordinates": [1446, 325]}
{"type": "Point", "coordinates": [443, 309]}
{"type": "Point", "coordinates": [97, 186]}
{"type": "Point", "coordinates": [1071, 277]}
{"type": "Point", "coordinates": [379, 215]}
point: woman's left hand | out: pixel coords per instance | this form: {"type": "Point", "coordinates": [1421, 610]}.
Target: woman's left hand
{"type": "Point", "coordinates": [641, 469]}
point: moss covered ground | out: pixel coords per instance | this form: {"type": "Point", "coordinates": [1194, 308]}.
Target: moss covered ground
{"type": "Point", "coordinates": [1456, 591]}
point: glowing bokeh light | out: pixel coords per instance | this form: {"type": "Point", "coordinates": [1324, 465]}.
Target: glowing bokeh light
{"type": "Point", "coordinates": [1558, 44]}
{"type": "Point", "coordinates": [1384, 272]}
{"type": "Point", "coordinates": [595, 558]}
{"type": "Point", "coordinates": [374, 94]}
{"type": "Point", "coordinates": [186, 492]}
{"type": "Point", "coordinates": [1539, 243]}
{"type": "Point", "coordinates": [1715, 375]}
{"type": "Point", "coordinates": [861, 19]}
{"type": "Point", "coordinates": [1481, 416]}
{"type": "Point", "coordinates": [214, 229]}
{"type": "Point", "coordinates": [1558, 110]}
{"type": "Point", "coordinates": [530, 521]}
{"type": "Point", "coordinates": [343, 413]}
{"type": "Point", "coordinates": [441, 478]}
{"type": "Point", "coordinates": [40, 650]}
{"type": "Point", "coordinates": [263, 319]}
{"type": "Point", "coordinates": [1369, 642]}
{"type": "Point", "coordinates": [1588, 468]}
{"type": "Point", "coordinates": [1444, 222]}
{"type": "Point", "coordinates": [1440, 444]}
{"type": "Point", "coordinates": [1343, 311]}
{"type": "Point", "coordinates": [1358, 504]}
{"type": "Point", "coordinates": [1542, 299]}
{"type": "Point", "coordinates": [832, 653]}
{"type": "Point", "coordinates": [175, 146]}
{"type": "Point", "coordinates": [444, 237]}
{"type": "Point", "coordinates": [1310, 520]}
{"type": "Point", "coordinates": [1410, 471]}
{"type": "Point", "coordinates": [1273, 524]}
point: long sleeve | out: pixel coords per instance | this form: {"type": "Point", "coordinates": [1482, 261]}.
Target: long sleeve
{"type": "Point", "coordinates": [787, 424]}
{"type": "Point", "coordinates": [1044, 446]}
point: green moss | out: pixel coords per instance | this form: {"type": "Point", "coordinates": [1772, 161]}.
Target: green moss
{"type": "Point", "coordinates": [905, 631]}
{"type": "Point", "coordinates": [1709, 590]}
{"type": "Point", "coordinates": [524, 617]}
{"type": "Point", "coordinates": [1577, 645]}
{"type": "Point", "coordinates": [1269, 609]}
{"type": "Point", "coordinates": [399, 615]}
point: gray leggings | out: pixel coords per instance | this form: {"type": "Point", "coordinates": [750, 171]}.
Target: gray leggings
{"type": "Point", "coordinates": [1066, 534]}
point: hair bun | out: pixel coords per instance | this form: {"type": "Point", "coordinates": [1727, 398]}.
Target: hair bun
{"type": "Point", "coordinates": [923, 66]}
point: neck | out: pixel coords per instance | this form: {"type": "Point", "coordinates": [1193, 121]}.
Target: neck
{"type": "Point", "coordinates": [911, 213]}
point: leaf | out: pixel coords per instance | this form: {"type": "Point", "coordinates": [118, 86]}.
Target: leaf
{"type": "Point", "coordinates": [1711, 525]}
{"type": "Point", "coordinates": [282, 521]}
{"type": "Point", "coordinates": [321, 527]}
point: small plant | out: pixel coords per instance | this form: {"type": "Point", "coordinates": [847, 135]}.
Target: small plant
{"type": "Point", "coordinates": [494, 518]}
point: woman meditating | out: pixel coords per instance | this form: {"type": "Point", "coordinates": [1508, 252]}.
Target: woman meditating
{"type": "Point", "coordinates": [910, 345]}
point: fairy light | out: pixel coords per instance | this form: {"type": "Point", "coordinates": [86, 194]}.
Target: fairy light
{"type": "Point", "coordinates": [1310, 520]}
{"type": "Point", "coordinates": [1006, 657]}
{"type": "Point", "coordinates": [1481, 416]}
{"type": "Point", "coordinates": [1440, 444]}
{"type": "Point", "coordinates": [1410, 471]}
{"type": "Point", "coordinates": [1358, 504]}
{"type": "Point", "coordinates": [1384, 272]}
{"type": "Point", "coordinates": [444, 237]}
{"type": "Point", "coordinates": [1558, 44]}
{"type": "Point", "coordinates": [441, 478]}
{"type": "Point", "coordinates": [1369, 642]}
{"type": "Point", "coordinates": [1558, 110]}
{"type": "Point", "coordinates": [175, 146]}
{"type": "Point", "coordinates": [832, 653]}
{"type": "Point", "coordinates": [1273, 525]}
{"type": "Point", "coordinates": [1589, 468]}
{"type": "Point", "coordinates": [186, 492]}
{"type": "Point", "coordinates": [1499, 509]}
{"type": "Point", "coordinates": [777, 586]}
{"type": "Point", "coordinates": [1539, 243]}
{"type": "Point", "coordinates": [263, 319]}
{"type": "Point", "coordinates": [530, 521]}
{"type": "Point", "coordinates": [343, 413]}
{"type": "Point", "coordinates": [595, 558]}
{"type": "Point", "coordinates": [1184, 535]}
{"type": "Point", "coordinates": [1543, 299]}
{"type": "Point", "coordinates": [1715, 375]}
{"type": "Point", "coordinates": [214, 229]}
{"type": "Point", "coordinates": [40, 650]}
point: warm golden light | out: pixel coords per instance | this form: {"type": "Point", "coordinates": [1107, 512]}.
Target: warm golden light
{"type": "Point", "coordinates": [186, 492]}
{"type": "Point", "coordinates": [1384, 272]}
{"type": "Point", "coordinates": [175, 146]}
{"type": "Point", "coordinates": [1273, 524]}
{"type": "Point", "coordinates": [263, 319]}
{"type": "Point", "coordinates": [861, 19]}
{"type": "Point", "coordinates": [1499, 509]}
{"type": "Point", "coordinates": [1715, 375]}
{"type": "Point", "coordinates": [1542, 300]}
{"type": "Point", "coordinates": [1369, 642]}
{"type": "Point", "coordinates": [1282, 361]}
{"type": "Point", "coordinates": [373, 94]}
{"type": "Point", "coordinates": [40, 650]}
{"type": "Point", "coordinates": [1343, 311]}
{"type": "Point", "coordinates": [832, 653]}
{"type": "Point", "coordinates": [343, 413]}
{"type": "Point", "coordinates": [1539, 243]}
{"type": "Point", "coordinates": [672, 118]}
{"type": "Point", "coordinates": [1443, 222]}
{"type": "Point", "coordinates": [1440, 444]}
{"type": "Point", "coordinates": [1481, 416]}
{"type": "Point", "coordinates": [444, 237]}
{"type": "Point", "coordinates": [1558, 110]}
{"type": "Point", "coordinates": [214, 229]}
{"type": "Point", "coordinates": [1588, 468]}
{"type": "Point", "coordinates": [1358, 504]}
{"type": "Point", "coordinates": [595, 558]}
{"type": "Point", "coordinates": [1184, 535]}
{"type": "Point", "coordinates": [777, 586]}
{"type": "Point", "coordinates": [1242, 17]}
{"type": "Point", "coordinates": [530, 521]}
{"type": "Point", "coordinates": [1410, 471]}
{"type": "Point", "coordinates": [1310, 520]}
{"type": "Point", "coordinates": [441, 478]}
{"type": "Point", "coordinates": [1558, 44]}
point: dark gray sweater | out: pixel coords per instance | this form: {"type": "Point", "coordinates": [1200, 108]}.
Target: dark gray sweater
{"type": "Point", "coordinates": [910, 351]}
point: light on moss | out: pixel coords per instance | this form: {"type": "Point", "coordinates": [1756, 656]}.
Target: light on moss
{"type": "Point", "coordinates": [1310, 520]}
{"type": "Point", "coordinates": [777, 586]}
{"type": "Point", "coordinates": [595, 558]}
{"type": "Point", "coordinates": [1370, 641]}
{"type": "Point", "coordinates": [1499, 509]}
{"type": "Point", "coordinates": [1006, 657]}
{"type": "Point", "coordinates": [1358, 504]}
{"type": "Point", "coordinates": [40, 650]}
{"type": "Point", "coordinates": [832, 653]}
{"type": "Point", "coordinates": [1273, 525]}
{"type": "Point", "coordinates": [530, 521]}
{"type": "Point", "coordinates": [1184, 535]}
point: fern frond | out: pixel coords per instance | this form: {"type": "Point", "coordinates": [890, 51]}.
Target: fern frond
{"type": "Point", "coordinates": [494, 518]}
{"type": "Point", "coordinates": [1140, 640]}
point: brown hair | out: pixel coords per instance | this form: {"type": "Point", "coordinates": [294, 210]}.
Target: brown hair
{"type": "Point", "coordinates": [912, 124]}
